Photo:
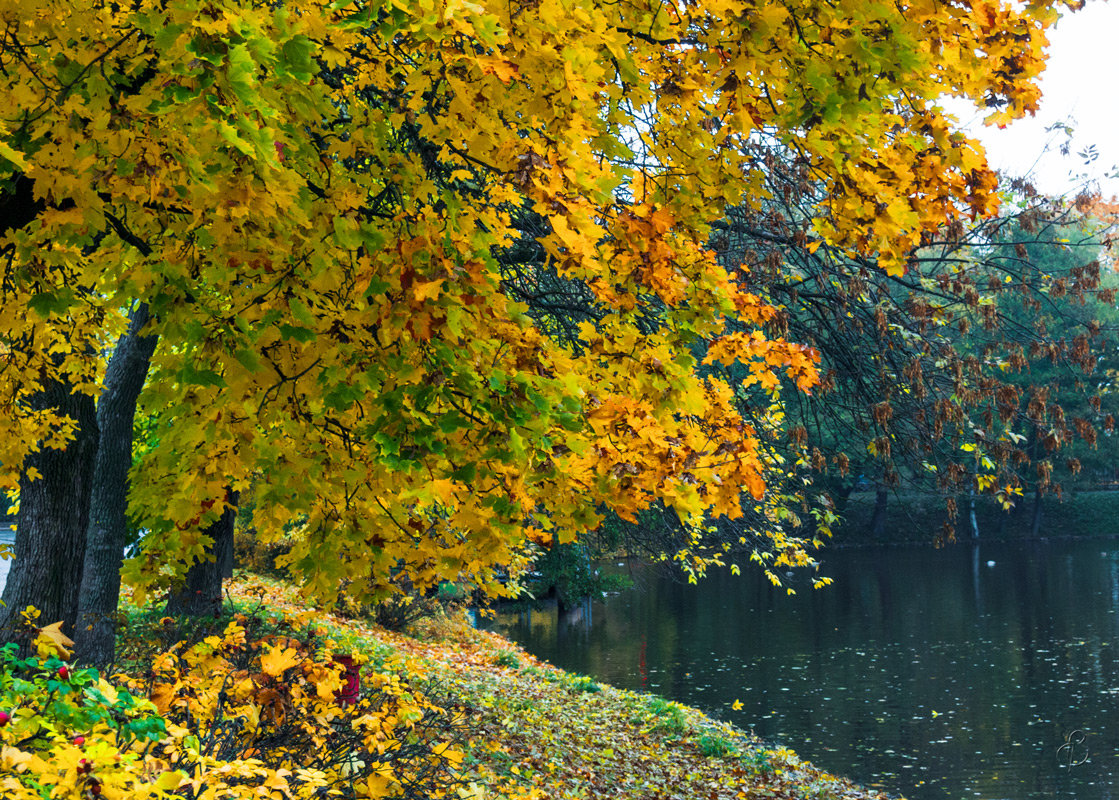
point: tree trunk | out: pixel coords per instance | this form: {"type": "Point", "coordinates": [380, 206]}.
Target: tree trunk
{"type": "Point", "coordinates": [200, 594]}
{"type": "Point", "coordinates": [1036, 525]}
{"type": "Point", "coordinates": [95, 637]}
{"type": "Point", "coordinates": [842, 495]}
{"type": "Point", "coordinates": [1032, 450]}
{"type": "Point", "coordinates": [972, 521]}
{"type": "Point", "coordinates": [878, 521]}
{"type": "Point", "coordinates": [226, 559]}
{"type": "Point", "coordinates": [52, 519]}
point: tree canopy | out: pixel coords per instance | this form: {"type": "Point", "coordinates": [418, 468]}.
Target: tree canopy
{"type": "Point", "coordinates": [967, 372]}
{"type": "Point", "coordinates": [320, 204]}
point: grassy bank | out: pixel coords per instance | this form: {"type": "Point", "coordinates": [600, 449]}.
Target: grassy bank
{"type": "Point", "coordinates": [534, 731]}
{"type": "Point", "coordinates": [913, 517]}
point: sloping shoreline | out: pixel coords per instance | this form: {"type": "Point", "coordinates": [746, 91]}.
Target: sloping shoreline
{"type": "Point", "coordinates": [536, 731]}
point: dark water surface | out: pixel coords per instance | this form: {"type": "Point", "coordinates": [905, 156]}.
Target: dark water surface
{"type": "Point", "coordinates": [953, 673]}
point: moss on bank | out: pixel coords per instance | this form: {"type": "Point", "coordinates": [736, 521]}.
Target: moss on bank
{"type": "Point", "coordinates": [539, 732]}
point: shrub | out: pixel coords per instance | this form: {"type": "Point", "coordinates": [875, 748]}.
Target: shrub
{"type": "Point", "coordinates": [261, 708]}
{"type": "Point", "coordinates": [277, 707]}
{"type": "Point", "coordinates": [257, 556]}
{"type": "Point", "coordinates": [68, 732]}
{"type": "Point", "coordinates": [569, 571]}
{"type": "Point", "coordinates": [400, 612]}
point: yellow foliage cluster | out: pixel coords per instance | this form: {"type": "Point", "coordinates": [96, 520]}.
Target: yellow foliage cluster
{"type": "Point", "coordinates": [226, 718]}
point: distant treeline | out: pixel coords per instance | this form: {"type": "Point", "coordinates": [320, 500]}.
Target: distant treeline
{"type": "Point", "coordinates": [912, 517]}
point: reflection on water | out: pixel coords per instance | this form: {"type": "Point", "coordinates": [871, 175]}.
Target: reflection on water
{"type": "Point", "coordinates": [954, 673]}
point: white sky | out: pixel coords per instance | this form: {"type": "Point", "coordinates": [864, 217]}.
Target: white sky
{"type": "Point", "coordinates": [1080, 87]}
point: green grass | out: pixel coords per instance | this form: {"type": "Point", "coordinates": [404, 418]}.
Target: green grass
{"type": "Point", "coordinates": [583, 683]}
{"type": "Point", "coordinates": [507, 658]}
{"type": "Point", "coordinates": [667, 716]}
{"type": "Point", "coordinates": [712, 745]}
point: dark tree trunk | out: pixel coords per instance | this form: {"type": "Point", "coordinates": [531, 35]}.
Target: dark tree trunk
{"type": "Point", "coordinates": [1032, 450]}
{"type": "Point", "coordinates": [841, 495]}
{"type": "Point", "coordinates": [878, 521]}
{"type": "Point", "coordinates": [973, 523]}
{"type": "Point", "coordinates": [200, 594]}
{"type": "Point", "coordinates": [1036, 525]}
{"type": "Point", "coordinates": [226, 558]}
{"type": "Point", "coordinates": [52, 519]}
{"type": "Point", "coordinates": [107, 533]}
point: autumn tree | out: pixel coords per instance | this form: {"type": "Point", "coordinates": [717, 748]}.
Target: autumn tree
{"type": "Point", "coordinates": [313, 201]}
{"type": "Point", "coordinates": [1064, 328]}
{"type": "Point", "coordinates": [931, 378]}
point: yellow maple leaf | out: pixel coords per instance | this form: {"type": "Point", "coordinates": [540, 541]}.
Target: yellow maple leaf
{"type": "Point", "coordinates": [276, 661]}
{"type": "Point", "coordinates": [13, 155]}
{"type": "Point", "coordinates": [15, 760]}
{"type": "Point", "coordinates": [108, 690]}
{"type": "Point", "coordinates": [503, 69]}
{"type": "Point", "coordinates": [51, 641]}
{"type": "Point", "coordinates": [452, 754]}
{"type": "Point", "coordinates": [169, 781]}
{"type": "Point", "coordinates": [428, 290]}
{"type": "Point", "coordinates": [161, 696]}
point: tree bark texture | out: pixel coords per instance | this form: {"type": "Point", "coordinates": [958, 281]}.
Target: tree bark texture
{"type": "Point", "coordinates": [200, 593]}
{"type": "Point", "coordinates": [1032, 449]}
{"type": "Point", "coordinates": [973, 522]}
{"type": "Point", "coordinates": [52, 519]}
{"type": "Point", "coordinates": [878, 521]}
{"type": "Point", "coordinates": [1035, 525]}
{"type": "Point", "coordinates": [95, 636]}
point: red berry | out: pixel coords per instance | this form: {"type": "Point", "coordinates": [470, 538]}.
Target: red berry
{"type": "Point", "coordinates": [64, 672]}
{"type": "Point", "coordinates": [4, 718]}
{"type": "Point", "coordinates": [79, 740]}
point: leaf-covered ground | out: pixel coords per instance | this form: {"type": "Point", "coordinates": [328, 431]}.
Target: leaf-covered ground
{"type": "Point", "coordinates": [536, 731]}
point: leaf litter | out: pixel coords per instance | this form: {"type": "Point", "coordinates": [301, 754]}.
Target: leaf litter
{"type": "Point", "coordinates": [539, 732]}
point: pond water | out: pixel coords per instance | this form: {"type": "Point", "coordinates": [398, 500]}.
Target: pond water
{"type": "Point", "coordinates": [952, 673]}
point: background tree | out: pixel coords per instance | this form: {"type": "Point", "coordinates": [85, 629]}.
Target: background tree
{"type": "Point", "coordinates": [929, 378]}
